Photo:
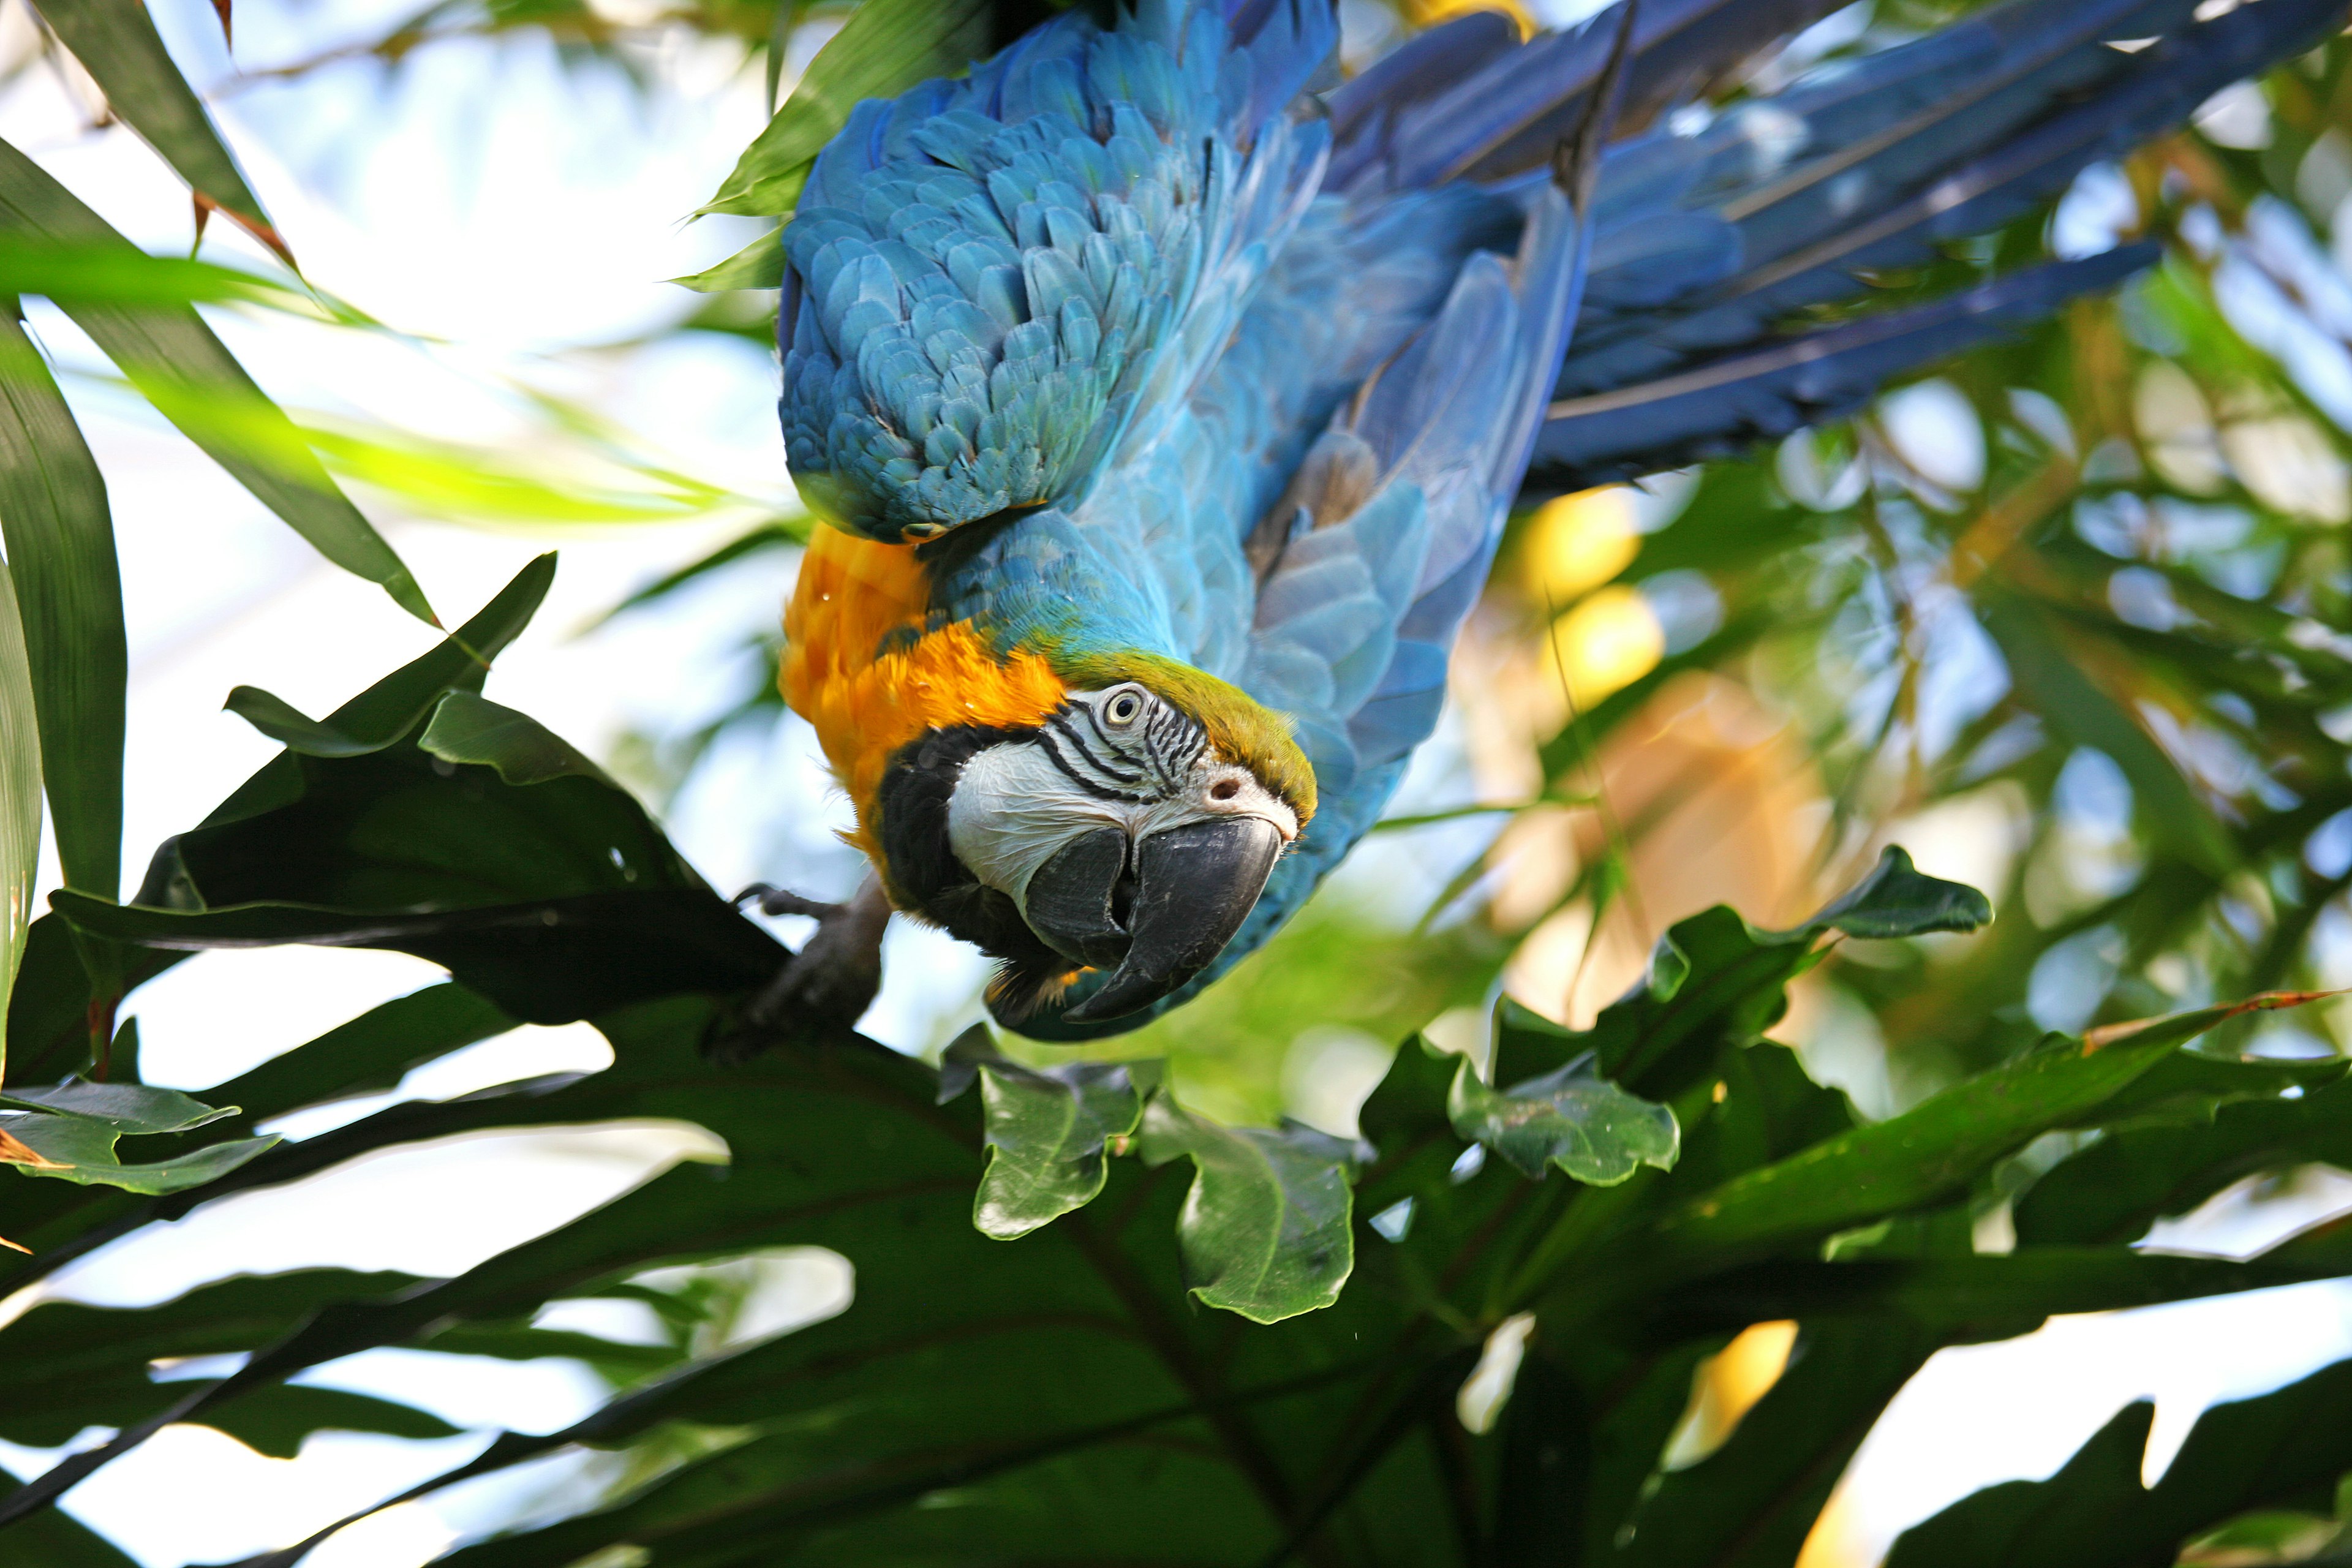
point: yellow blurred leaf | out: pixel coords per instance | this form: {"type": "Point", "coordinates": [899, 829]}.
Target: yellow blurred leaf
{"type": "Point", "coordinates": [1577, 542]}
{"type": "Point", "coordinates": [1609, 641]}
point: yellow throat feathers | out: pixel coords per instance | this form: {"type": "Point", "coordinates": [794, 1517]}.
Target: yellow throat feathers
{"type": "Point", "coordinates": [860, 667]}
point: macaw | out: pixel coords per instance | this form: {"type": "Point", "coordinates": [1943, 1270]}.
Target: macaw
{"type": "Point", "coordinates": [1164, 397]}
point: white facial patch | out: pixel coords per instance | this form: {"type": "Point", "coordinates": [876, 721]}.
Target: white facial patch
{"type": "Point", "coordinates": [1015, 806]}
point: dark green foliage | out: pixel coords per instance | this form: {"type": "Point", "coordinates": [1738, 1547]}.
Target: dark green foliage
{"type": "Point", "coordinates": [2281, 1448]}
{"type": "Point", "coordinates": [1061, 1398]}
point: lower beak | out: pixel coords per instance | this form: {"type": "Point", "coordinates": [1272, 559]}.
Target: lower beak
{"type": "Point", "coordinates": [1193, 887]}
{"type": "Point", "coordinates": [1074, 899]}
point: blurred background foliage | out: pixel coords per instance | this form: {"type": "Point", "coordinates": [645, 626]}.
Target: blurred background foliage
{"type": "Point", "coordinates": [2069, 617]}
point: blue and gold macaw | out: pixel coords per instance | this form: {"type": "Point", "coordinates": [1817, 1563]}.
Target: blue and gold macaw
{"type": "Point", "coordinates": [1166, 402]}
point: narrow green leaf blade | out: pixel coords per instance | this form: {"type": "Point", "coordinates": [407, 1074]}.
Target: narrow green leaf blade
{"type": "Point", "coordinates": [1937, 1147]}
{"type": "Point", "coordinates": [1264, 1231]}
{"type": "Point", "coordinates": [20, 792]}
{"type": "Point", "coordinates": [293, 729]}
{"type": "Point", "coordinates": [116, 42]}
{"type": "Point", "coordinates": [90, 272]}
{"type": "Point", "coordinates": [61, 538]}
{"type": "Point", "coordinates": [886, 48]}
{"type": "Point", "coordinates": [179, 365]}
{"type": "Point", "coordinates": [122, 1107]}
{"type": "Point", "coordinates": [275, 1420]}
{"type": "Point", "coordinates": [1573, 1118]}
{"type": "Point", "coordinates": [758, 265]}
{"type": "Point", "coordinates": [82, 1152]}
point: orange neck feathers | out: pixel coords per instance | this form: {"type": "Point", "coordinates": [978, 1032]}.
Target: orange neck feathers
{"type": "Point", "coordinates": [862, 665]}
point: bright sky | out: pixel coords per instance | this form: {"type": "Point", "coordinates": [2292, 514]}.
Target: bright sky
{"type": "Point", "coordinates": [488, 198]}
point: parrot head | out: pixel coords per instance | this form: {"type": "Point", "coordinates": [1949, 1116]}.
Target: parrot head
{"type": "Point", "coordinates": [1128, 831]}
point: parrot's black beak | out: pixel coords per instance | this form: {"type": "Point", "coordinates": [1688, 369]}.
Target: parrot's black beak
{"type": "Point", "coordinates": [1192, 887]}
{"type": "Point", "coordinates": [1074, 898]}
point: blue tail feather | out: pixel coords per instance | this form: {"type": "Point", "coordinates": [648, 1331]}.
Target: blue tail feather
{"type": "Point", "coordinates": [1727, 404]}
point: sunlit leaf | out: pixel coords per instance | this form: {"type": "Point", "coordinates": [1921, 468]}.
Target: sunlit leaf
{"type": "Point", "coordinates": [1264, 1231]}
{"type": "Point", "coordinates": [886, 48]}
{"type": "Point", "coordinates": [74, 1149]}
{"type": "Point", "coordinates": [1047, 1132]}
{"type": "Point", "coordinates": [1573, 1118]}
{"type": "Point", "coordinates": [60, 542]}
{"type": "Point", "coordinates": [174, 360]}
{"type": "Point", "coordinates": [116, 43]}
{"type": "Point", "coordinates": [120, 1107]}
{"type": "Point", "coordinates": [468, 727]}
{"type": "Point", "coordinates": [1933, 1149]}
{"type": "Point", "coordinates": [20, 794]}
{"type": "Point", "coordinates": [758, 265]}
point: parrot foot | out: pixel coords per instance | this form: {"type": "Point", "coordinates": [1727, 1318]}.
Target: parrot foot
{"type": "Point", "coordinates": [825, 988]}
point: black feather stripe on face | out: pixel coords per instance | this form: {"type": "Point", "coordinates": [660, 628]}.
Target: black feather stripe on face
{"type": "Point", "coordinates": [1146, 763]}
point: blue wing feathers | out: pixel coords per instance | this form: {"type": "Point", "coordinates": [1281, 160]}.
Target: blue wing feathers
{"type": "Point", "coordinates": [1955, 173]}
{"type": "Point", "coordinates": [1773, 391]}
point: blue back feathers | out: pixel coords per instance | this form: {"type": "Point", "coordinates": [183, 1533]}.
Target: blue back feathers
{"type": "Point", "coordinates": [990, 278]}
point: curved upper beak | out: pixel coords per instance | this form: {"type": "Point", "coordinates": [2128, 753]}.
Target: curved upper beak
{"type": "Point", "coordinates": [1159, 910]}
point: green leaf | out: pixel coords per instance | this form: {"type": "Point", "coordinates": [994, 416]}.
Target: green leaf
{"type": "Point", "coordinates": [1934, 1150]}
{"type": "Point", "coordinates": [116, 43]}
{"type": "Point", "coordinates": [396, 704]}
{"type": "Point", "coordinates": [20, 792]}
{"type": "Point", "coordinates": [290, 727]}
{"type": "Point", "coordinates": [58, 1539]}
{"type": "Point", "coordinates": [467, 728]}
{"type": "Point", "coordinates": [1714, 978]}
{"type": "Point", "coordinates": [1573, 1118]}
{"type": "Point", "coordinates": [885, 47]}
{"type": "Point", "coordinates": [60, 539]}
{"type": "Point", "coordinates": [758, 265]}
{"type": "Point", "coordinates": [49, 1011]}
{"type": "Point", "coordinates": [1047, 1132]}
{"type": "Point", "coordinates": [1265, 1231]}
{"type": "Point", "coordinates": [123, 1107]}
{"type": "Point", "coordinates": [108, 274]}
{"type": "Point", "coordinates": [1900, 899]}
{"type": "Point", "coordinates": [474, 485]}
{"type": "Point", "coordinates": [73, 1149]}
{"type": "Point", "coordinates": [275, 1420]}
{"type": "Point", "coordinates": [1751, 1503]}
{"type": "Point", "coordinates": [175, 360]}
{"type": "Point", "coordinates": [369, 1054]}
{"type": "Point", "coordinates": [2114, 1190]}
{"type": "Point", "coordinates": [2094, 1513]}
{"type": "Point", "coordinates": [555, 901]}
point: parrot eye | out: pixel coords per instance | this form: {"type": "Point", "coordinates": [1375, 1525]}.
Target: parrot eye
{"type": "Point", "coordinates": [1123, 708]}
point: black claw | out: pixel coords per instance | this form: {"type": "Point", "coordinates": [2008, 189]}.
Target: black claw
{"type": "Point", "coordinates": [784, 901]}
{"type": "Point", "coordinates": [823, 989]}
